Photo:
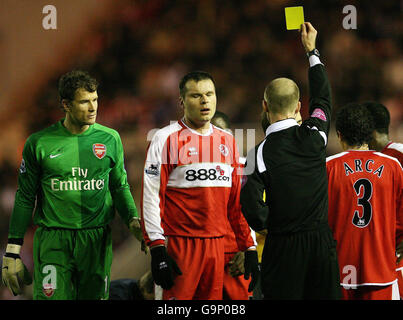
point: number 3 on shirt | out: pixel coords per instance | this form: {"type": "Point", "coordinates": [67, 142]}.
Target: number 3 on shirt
{"type": "Point", "coordinates": [363, 201]}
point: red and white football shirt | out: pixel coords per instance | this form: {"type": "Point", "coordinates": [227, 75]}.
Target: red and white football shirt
{"type": "Point", "coordinates": [191, 186]}
{"type": "Point", "coordinates": [365, 214]}
{"type": "Point", "coordinates": [395, 149]}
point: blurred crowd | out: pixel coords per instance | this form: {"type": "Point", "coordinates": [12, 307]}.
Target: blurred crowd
{"type": "Point", "coordinates": [140, 55]}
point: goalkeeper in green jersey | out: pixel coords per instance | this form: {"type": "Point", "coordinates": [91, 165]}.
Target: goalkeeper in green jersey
{"type": "Point", "coordinates": [73, 174]}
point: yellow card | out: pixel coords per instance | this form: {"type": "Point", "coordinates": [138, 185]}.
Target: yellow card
{"type": "Point", "coordinates": [294, 17]}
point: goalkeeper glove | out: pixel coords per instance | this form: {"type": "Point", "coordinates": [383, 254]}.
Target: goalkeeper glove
{"type": "Point", "coordinates": [251, 268]}
{"type": "Point", "coordinates": [135, 229]}
{"type": "Point", "coordinates": [163, 267]}
{"type": "Point", "coordinates": [14, 273]}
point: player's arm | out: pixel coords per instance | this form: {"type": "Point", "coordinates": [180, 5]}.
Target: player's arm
{"type": "Point", "coordinates": [155, 179]}
{"type": "Point", "coordinates": [121, 195]}
{"type": "Point", "coordinates": [237, 263]}
{"type": "Point", "coordinates": [254, 207]}
{"type": "Point", "coordinates": [399, 219]}
{"type": "Point", "coordinates": [25, 197]}
{"type": "Point", "coordinates": [14, 272]}
{"type": "Point", "coordinates": [241, 228]}
{"type": "Point", "coordinates": [320, 104]}
{"type": "Point", "coordinates": [235, 216]}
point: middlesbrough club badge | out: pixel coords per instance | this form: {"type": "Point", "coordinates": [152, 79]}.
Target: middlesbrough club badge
{"type": "Point", "coordinates": [99, 150]}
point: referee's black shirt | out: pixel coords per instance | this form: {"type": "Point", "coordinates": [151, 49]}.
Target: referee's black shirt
{"type": "Point", "coordinates": [290, 164]}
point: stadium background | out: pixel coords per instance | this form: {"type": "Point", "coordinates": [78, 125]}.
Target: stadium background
{"type": "Point", "coordinates": [139, 50]}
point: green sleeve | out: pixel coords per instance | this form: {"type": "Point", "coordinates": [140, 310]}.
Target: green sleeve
{"type": "Point", "coordinates": [120, 189]}
{"type": "Point", "coordinates": [28, 184]}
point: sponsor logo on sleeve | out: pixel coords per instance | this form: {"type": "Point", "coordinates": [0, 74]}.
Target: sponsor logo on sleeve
{"type": "Point", "coordinates": [23, 168]}
{"type": "Point", "coordinates": [152, 169]}
{"type": "Point", "coordinates": [318, 113]}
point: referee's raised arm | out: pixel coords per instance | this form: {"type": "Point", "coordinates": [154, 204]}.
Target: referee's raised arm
{"type": "Point", "coordinates": [320, 101]}
{"type": "Point", "coordinates": [308, 36]}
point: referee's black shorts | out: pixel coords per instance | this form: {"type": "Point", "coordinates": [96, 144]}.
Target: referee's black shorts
{"type": "Point", "coordinates": [301, 265]}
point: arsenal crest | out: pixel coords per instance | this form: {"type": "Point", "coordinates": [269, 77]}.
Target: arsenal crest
{"type": "Point", "coordinates": [48, 289]}
{"type": "Point", "coordinates": [99, 150]}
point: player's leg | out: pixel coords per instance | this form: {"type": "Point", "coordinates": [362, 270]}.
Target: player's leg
{"type": "Point", "coordinates": [210, 286]}
{"type": "Point", "coordinates": [93, 259]}
{"type": "Point", "coordinates": [53, 268]}
{"type": "Point", "coordinates": [186, 254]}
{"type": "Point", "coordinates": [283, 267]}
{"type": "Point", "coordinates": [349, 292]}
{"type": "Point", "coordinates": [257, 290]}
{"type": "Point", "coordinates": [323, 270]}
{"type": "Point", "coordinates": [236, 288]}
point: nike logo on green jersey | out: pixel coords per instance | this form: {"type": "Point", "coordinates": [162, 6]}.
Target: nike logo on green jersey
{"type": "Point", "coordinates": [54, 155]}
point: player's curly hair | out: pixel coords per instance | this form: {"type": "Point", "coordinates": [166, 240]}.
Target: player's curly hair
{"type": "Point", "coordinates": [195, 76]}
{"type": "Point", "coordinates": [380, 115]}
{"type": "Point", "coordinates": [223, 117]}
{"type": "Point", "coordinates": [355, 124]}
{"type": "Point", "coordinates": [73, 80]}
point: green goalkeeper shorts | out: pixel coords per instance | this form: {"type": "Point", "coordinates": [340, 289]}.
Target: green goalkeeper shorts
{"type": "Point", "coordinates": [72, 264]}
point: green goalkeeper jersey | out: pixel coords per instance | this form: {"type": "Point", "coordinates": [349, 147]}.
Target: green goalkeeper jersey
{"type": "Point", "coordinates": [73, 181]}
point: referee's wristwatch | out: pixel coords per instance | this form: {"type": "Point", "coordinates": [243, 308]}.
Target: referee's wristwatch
{"type": "Point", "coordinates": [314, 52]}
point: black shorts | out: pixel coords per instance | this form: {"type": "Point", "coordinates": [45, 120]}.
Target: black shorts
{"type": "Point", "coordinates": [302, 265]}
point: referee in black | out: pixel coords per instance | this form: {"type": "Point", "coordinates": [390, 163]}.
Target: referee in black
{"type": "Point", "coordinates": [299, 256]}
